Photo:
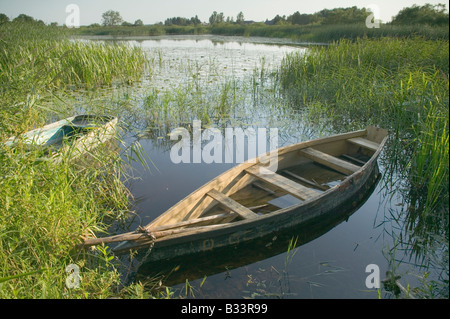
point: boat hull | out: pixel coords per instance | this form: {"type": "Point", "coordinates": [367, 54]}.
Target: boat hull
{"type": "Point", "coordinates": [210, 262]}
{"type": "Point", "coordinates": [75, 135]}
{"type": "Point", "coordinates": [348, 193]}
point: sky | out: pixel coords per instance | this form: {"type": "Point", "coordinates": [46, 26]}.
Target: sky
{"type": "Point", "coordinates": [154, 11]}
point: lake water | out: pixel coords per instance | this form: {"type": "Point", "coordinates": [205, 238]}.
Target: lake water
{"type": "Point", "coordinates": [231, 82]}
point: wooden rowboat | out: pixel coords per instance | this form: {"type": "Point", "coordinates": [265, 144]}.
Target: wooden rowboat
{"type": "Point", "coordinates": [77, 134]}
{"type": "Point", "coordinates": [312, 179]}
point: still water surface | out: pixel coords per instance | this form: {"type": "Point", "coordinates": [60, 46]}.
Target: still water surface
{"type": "Point", "coordinates": [329, 262]}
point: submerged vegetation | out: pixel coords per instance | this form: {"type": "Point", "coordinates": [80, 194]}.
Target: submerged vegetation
{"type": "Point", "coordinates": [399, 82]}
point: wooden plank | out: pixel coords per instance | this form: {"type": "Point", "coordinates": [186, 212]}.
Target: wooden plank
{"type": "Point", "coordinates": [158, 231]}
{"type": "Point", "coordinates": [196, 221]}
{"type": "Point", "coordinates": [353, 159]}
{"type": "Point", "coordinates": [231, 204]}
{"type": "Point", "coordinates": [149, 236]}
{"type": "Point", "coordinates": [320, 141]}
{"type": "Point", "coordinates": [262, 187]}
{"type": "Point", "coordinates": [282, 182]}
{"type": "Point", "coordinates": [365, 143]}
{"type": "Point", "coordinates": [306, 181]}
{"type": "Point", "coordinates": [330, 161]}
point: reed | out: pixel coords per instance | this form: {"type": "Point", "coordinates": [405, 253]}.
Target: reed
{"type": "Point", "coordinates": [63, 63]}
{"type": "Point", "coordinates": [398, 84]}
{"type": "Point", "coordinates": [45, 209]}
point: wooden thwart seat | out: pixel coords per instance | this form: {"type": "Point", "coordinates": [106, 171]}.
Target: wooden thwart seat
{"type": "Point", "coordinates": [282, 182]}
{"type": "Point", "coordinates": [329, 161]}
{"type": "Point", "coordinates": [364, 143]}
{"type": "Point", "coordinates": [231, 204]}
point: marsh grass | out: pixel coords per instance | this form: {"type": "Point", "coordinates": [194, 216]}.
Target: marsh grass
{"type": "Point", "coordinates": [59, 62]}
{"type": "Point", "coordinates": [401, 85]}
{"type": "Point", "coordinates": [46, 209]}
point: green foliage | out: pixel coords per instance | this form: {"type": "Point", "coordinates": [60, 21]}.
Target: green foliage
{"type": "Point", "coordinates": [46, 209]}
{"type": "Point", "coordinates": [434, 15]}
{"type": "Point", "coordinates": [216, 18]}
{"type": "Point", "coordinates": [38, 59]}
{"type": "Point", "coordinates": [3, 18]}
{"type": "Point", "coordinates": [111, 18]}
{"type": "Point", "coordinates": [340, 16]}
{"type": "Point", "coordinates": [182, 21]}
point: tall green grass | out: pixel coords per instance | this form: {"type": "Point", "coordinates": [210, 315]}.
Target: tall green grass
{"type": "Point", "coordinates": [36, 61]}
{"type": "Point", "coordinates": [46, 209]}
{"type": "Point", "coordinates": [57, 62]}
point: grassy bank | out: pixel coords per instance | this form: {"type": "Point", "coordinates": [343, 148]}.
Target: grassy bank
{"type": "Point", "coordinates": [401, 85]}
{"type": "Point", "coordinates": [45, 209]}
{"type": "Point", "coordinates": [307, 33]}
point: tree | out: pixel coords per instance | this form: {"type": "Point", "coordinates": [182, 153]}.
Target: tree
{"type": "Point", "coordinates": [3, 18]}
{"type": "Point", "coordinates": [195, 20]}
{"type": "Point", "coordinates": [111, 18]}
{"type": "Point", "coordinates": [23, 18]}
{"type": "Point", "coordinates": [240, 18]}
{"type": "Point", "coordinates": [343, 15]}
{"type": "Point", "coordinates": [138, 23]}
{"type": "Point", "coordinates": [216, 18]}
{"type": "Point", "coordinates": [279, 20]}
{"type": "Point", "coordinates": [433, 15]}
{"type": "Point", "coordinates": [302, 19]}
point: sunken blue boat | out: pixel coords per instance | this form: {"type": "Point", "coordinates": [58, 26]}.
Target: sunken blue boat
{"type": "Point", "coordinates": [77, 134]}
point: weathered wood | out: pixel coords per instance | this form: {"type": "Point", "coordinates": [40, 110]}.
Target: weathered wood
{"type": "Point", "coordinates": [147, 235]}
{"type": "Point", "coordinates": [258, 206]}
{"type": "Point", "coordinates": [156, 231]}
{"type": "Point", "coordinates": [262, 187]}
{"type": "Point", "coordinates": [364, 143]}
{"type": "Point", "coordinates": [231, 204]}
{"type": "Point", "coordinates": [330, 161]}
{"type": "Point", "coordinates": [196, 221]}
{"type": "Point", "coordinates": [282, 182]}
{"type": "Point", "coordinates": [181, 230]}
{"type": "Point", "coordinates": [231, 181]}
{"type": "Point", "coordinates": [306, 181]}
{"type": "Point", "coordinates": [353, 159]}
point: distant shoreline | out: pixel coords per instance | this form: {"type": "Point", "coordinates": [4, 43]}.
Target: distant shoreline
{"type": "Point", "coordinates": [201, 37]}
{"type": "Point", "coordinates": [294, 34]}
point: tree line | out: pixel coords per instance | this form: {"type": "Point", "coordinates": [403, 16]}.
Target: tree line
{"type": "Point", "coordinates": [434, 15]}
{"type": "Point", "coordinates": [428, 14]}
